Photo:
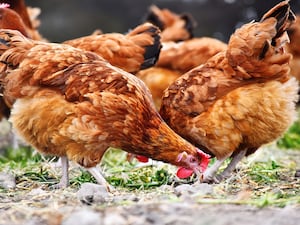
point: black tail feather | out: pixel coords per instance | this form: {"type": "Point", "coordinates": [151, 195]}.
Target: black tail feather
{"type": "Point", "coordinates": [153, 18]}
{"type": "Point", "coordinates": [285, 17]}
{"type": "Point", "coordinates": [152, 51]}
{"type": "Point", "coordinates": [190, 24]}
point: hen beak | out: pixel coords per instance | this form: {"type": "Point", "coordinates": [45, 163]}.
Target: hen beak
{"type": "Point", "coordinates": [199, 175]}
{"type": "Point", "coordinates": [182, 156]}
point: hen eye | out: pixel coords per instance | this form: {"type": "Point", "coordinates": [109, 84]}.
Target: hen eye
{"type": "Point", "coordinates": [192, 160]}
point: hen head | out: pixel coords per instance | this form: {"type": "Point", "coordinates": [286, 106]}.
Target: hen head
{"type": "Point", "coordinates": [194, 164]}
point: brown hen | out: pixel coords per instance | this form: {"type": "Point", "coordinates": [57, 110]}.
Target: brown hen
{"type": "Point", "coordinates": [10, 19]}
{"type": "Point", "coordinates": [241, 98]}
{"type": "Point", "coordinates": [28, 16]}
{"type": "Point", "coordinates": [72, 103]}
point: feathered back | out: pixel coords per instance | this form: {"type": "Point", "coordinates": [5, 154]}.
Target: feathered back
{"type": "Point", "coordinates": [12, 41]}
{"type": "Point", "coordinates": [256, 48]}
{"type": "Point", "coordinates": [25, 61]}
{"type": "Point", "coordinates": [138, 49]}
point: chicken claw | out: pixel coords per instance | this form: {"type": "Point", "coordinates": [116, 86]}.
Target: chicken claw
{"type": "Point", "coordinates": [99, 178]}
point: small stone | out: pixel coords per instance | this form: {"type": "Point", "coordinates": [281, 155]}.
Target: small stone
{"type": "Point", "coordinates": [113, 219]}
{"type": "Point", "coordinates": [184, 189]}
{"type": "Point", "coordinates": [203, 188]}
{"type": "Point", "coordinates": [83, 217]}
{"type": "Point", "coordinates": [7, 181]}
{"type": "Point", "coordinates": [297, 174]}
{"type": "Point", "coordinates": [37, 191]}
{"type": "Point", "coordinates": [166, 188]}
{"type": "Point", "coordinates": [91, 193]}
{"type": "Point", "coordinates": [125, 197]}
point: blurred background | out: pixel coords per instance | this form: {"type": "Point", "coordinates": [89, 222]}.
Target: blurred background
{"type": "Point", "coordinates": [62, 20]}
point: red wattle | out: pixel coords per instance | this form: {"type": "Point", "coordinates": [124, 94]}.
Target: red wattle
{"type": "Point", "coordinates": [183, 173]}
{"type": "Point", "coordinates": [141, 158]}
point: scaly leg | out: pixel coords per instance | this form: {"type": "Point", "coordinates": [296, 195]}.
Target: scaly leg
{"type": "Point", "coordinates": [99, 177]}
{"type": "Point", "coordinates": [210, 173]}
{"type": "Point", "coordinates": [231, 166]}
{"type": "Point", "coordinates": [64, 180]}
{"type": "Point", "coordinates": [15, 141]}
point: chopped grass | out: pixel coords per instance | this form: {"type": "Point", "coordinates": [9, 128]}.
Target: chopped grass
{"type": "Point", "coordinates": [265, 173]}
{"type": "Point", "coordinates": [291, 139]}
{"type": "Point", "coordinates": [267, 183]}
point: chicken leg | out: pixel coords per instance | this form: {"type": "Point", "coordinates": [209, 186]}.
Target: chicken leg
{"type": "Point", "coordinates": [64, 180]}
{"type": "Point", "coordinates": [231, 166]}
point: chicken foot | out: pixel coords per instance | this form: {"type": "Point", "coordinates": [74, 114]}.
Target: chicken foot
{"type": "Point", "coordinates": [209, 175]}
{"type": "Point", "coordinates": [64, 181]}
{"type": "Point", "coordinates": [231, 166]}
{"type": "Point", "coordinates": [96, 173]}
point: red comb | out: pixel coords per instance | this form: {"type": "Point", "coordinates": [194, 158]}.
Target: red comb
{"type": "Point", "coordinates": [204, 160]}
{"type": "Point", "coordinates": [183, 173]}
{"type": "Point", "coordinates": [4, 5]}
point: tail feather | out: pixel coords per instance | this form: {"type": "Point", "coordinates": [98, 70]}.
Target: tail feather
{"type": "Point", "coordinates": [153, 16]}
{"type": "Point", "coordinates": [6, 39]}
{"type": "Point", "coordinates": [11, 38]}
{"type": "Point", "coordinates": [147, 36]}
{"type": "Point", "coordinates": [284, 16]}
{"type": "Point", "coordinates": [174, 27]}
{"type": "Point", "coordinates": [257, 49]}
{"type": "Point", "coordinates": [189, 24]}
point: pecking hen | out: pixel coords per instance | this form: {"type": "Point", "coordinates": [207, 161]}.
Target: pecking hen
{"type": "Point", "coordinates": [239, 99]}
{"type": "Point", "coordinates": [72, 103]}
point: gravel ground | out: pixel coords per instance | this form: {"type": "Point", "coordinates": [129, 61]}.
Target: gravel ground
{"type": "Point", "coordinates": [91, 204]}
